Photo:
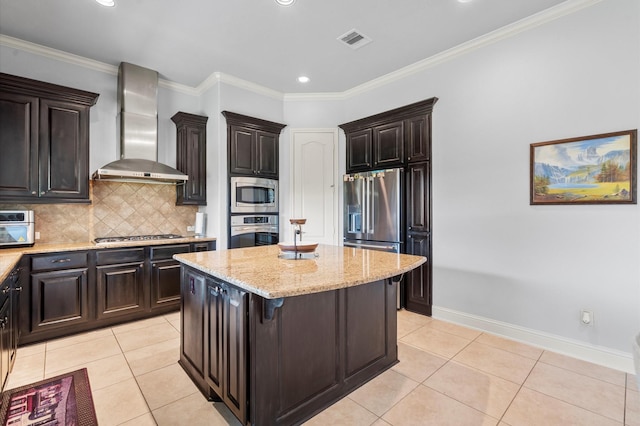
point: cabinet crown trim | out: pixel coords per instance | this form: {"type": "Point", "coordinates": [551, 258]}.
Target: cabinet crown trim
{"type": "Point", "coordinates": [407, 111]}
{"type": "Point", "coordinates": [181, 118]}
{"type": "Point", "coordinates": [22, 85]}
{"type": "Point", "coordinates": [252, 122]}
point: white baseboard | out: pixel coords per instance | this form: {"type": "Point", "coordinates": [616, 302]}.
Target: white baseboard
{"type": "Point", "coordinates": [617, 360]}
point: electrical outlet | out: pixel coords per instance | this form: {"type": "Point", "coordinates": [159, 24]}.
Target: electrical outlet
{"type": "Point", "coordinates": [586, 317]}
{"type": "Point", "coordinates": [191, 228]}
{"type": "Point", "coordinates": [37, 235]}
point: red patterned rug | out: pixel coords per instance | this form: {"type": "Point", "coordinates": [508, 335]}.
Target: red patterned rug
{"type": "Point", "coordinates": [63, 400]}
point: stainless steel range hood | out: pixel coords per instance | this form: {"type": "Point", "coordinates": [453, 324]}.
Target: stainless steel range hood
{"type": "Point", "coordinates": [138, 129]}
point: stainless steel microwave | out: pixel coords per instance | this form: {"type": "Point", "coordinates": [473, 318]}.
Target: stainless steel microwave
{"type": "Point", "coordinates": [17, 228]}
{"type": "Point", "coordinates": [253, 195]}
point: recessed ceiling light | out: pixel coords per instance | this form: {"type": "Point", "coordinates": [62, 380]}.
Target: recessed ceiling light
{"type": "Point", "coordinates": [285, 2]}
{"type": "Point", "coordinates": [108, 3]}
{"type": "Point", "coordinates": [303, 79]}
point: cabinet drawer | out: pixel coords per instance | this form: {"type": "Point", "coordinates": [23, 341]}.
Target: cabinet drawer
{"type": "Point", "coordinates": [203, 246]}
{"type": "Point", "coordinates": [59, 261]}
{"type": "Point", "coordinates": [167, 252]}
{"type": "Point", "coordinates": [109, 257]}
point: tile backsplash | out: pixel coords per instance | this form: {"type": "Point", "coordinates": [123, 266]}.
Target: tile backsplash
{"type": "Point", "coordinates": [116, 209]}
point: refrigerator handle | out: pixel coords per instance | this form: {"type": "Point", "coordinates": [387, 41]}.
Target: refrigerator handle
{"type": "Point", "coordinates": [371, 209]}
{"type": "Point", "coordinates": [365, 226]}
{"type": "Point", "coordinates": [365, 206]}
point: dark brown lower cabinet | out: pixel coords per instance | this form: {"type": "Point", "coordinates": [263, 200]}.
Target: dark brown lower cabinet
{"type": "Point", "coordinates": [165, 275]}
{"type": "Point", "coordinates": [418, 294]}
{"type": "Point", "coordinates": [213, 346]}
{"type": "Point", "coordinates": [226, 345]}
{"type": "Point", "coordinates": [120, 282]}
{"type": "Point", "coordinates": [9, 323]}
{"type": "Point", "coordinates": [417, 283]}
{"type": "Point", "coordinates": [192, 301]}
{"type": "Point", "coordinates": [59, 299]}
{"type": "Point", "coordinates": [281, 361]}
{"type": "Point", "coordinates": [5, 342]}
{"type": "Point", "coordinates": [71, 292]}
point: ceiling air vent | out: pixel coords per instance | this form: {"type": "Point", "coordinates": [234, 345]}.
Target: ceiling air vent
{"type": "Point", "coordinates": [354, 39]}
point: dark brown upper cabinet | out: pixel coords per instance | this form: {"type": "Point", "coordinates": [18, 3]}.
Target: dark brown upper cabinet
{"type": "Point", "coordinates": [389, 139]}
{"type": "Point", "coordinates": [191, 158]}
{"type": "Point", "coordinates": [252, 146]}
{"type": "Point", "coordinates": [359, 150]}
{"type": "Point", "coordinates": [418, 138]}
{"type": "Point", "coordinates": [44, 134]}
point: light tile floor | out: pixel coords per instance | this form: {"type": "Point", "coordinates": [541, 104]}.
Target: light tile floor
{"type": "Point", "coordinates": [447, 375]}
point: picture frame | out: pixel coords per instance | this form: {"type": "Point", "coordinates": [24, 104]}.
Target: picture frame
{"type": "Point", "coordinates": [596, 169]}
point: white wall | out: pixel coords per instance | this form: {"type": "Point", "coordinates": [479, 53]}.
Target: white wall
{"type": "Point", "coordinates": [495, 256]}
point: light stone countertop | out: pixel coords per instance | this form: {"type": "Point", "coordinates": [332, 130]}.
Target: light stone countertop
{"type": "Point", "coordinates": [259, 270]}
{"type": "Point", "coordinates": [10, 257]}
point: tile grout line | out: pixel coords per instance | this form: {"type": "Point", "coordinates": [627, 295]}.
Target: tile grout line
{"type": "Point", "coordinates": [567, 402]}
{"type": "Point", "coordinates": [515, 395]}
{"type": "Point", "coordinates": [135, 379]}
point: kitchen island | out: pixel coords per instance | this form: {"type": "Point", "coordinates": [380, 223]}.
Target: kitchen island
{"type": "Point", "coordinates": [280, 340]}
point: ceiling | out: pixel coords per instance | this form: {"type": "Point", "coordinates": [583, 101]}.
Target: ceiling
{"type": "Point", "coordinates": [257, 40]}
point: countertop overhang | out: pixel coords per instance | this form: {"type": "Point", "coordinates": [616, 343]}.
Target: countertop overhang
{"type": "Point", "coordinates": [259, 270]}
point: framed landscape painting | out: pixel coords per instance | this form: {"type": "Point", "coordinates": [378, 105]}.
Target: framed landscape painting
{"type": "Point", "coordinates": [598, 169]}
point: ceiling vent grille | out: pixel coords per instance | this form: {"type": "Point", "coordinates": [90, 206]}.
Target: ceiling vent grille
{"type": "Point", "coordinates": [354, 39]}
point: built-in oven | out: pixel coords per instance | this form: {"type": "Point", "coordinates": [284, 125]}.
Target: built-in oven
{"type": "Point", "coordinates": [253, 195]}
{"type": "Point", "coordinates": [253, 230]}
{"type": "Point", "coordinates": [17, 228]}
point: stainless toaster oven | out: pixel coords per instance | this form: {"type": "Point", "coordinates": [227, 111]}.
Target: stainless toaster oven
{"type": "Point", "coordinates": [17, 228]}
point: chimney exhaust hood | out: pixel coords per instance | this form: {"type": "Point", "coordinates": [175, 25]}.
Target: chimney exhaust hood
{"type": "Point", "coordinates": [138, 130]}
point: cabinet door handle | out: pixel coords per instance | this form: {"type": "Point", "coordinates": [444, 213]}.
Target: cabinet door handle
{"type": "Point", "coordinates": [18, 289]}
{"type": "Point", "coordinates": [61, 260]}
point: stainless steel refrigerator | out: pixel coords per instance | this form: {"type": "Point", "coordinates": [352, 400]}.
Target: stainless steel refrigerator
{"type": "Point", "coordinates": [372, 210]}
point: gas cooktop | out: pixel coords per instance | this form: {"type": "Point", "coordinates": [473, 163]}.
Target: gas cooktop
{"type": "Point", "coordinates": [136, 238]}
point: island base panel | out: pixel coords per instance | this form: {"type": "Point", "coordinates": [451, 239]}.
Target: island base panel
{"type": "Point", "coordinates": [301, 357]}
{"type": "Point", "coordinates": [318, 348]}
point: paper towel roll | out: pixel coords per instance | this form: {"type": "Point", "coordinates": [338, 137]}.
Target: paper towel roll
{"type": "Point", "coordinates": [199, 228]}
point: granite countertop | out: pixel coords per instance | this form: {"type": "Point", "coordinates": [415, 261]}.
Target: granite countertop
{"type": "Point", "coordinates": [259, 270]}
{"type": "Point", "coordinates": [10, 257]}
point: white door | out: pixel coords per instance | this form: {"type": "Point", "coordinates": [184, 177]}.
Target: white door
{"type": "Point", "coordinates": [314, 183]}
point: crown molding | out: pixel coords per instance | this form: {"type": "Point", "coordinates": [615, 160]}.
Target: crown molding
{"type": "Point", "coordinates": [244, 84]}
{"type": "Point", "coordinates": [528, 23]}
{"type": "Point", "coordinates": [81, 61]}
{"type": "Point", "coordinates": [59, 55]}
{"type": "Point", "coordinates": [533, 21]}
{"type": "Point", "coordinates": [178, 87]}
